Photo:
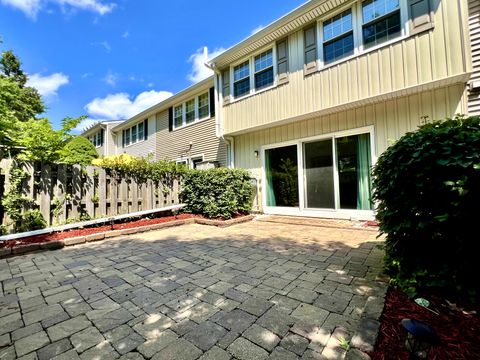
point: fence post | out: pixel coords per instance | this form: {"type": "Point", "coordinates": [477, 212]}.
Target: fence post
{"type": "Point", "coordinates": [113, 196]}
{"type": "Point", "coordinates": [134, 195]}
{"type": "Point", "coordinates": [102, 192]}
{"type": "Point", "coordinates": [123, 196]}
{"type": "Point", "coordinates": [6, 166]}
{"type": "Point", "coordinates": [90, 192]}
{"type": "Point", "coordinates": [76, 191]}
{"type": "Point", "coordinates": [61, 193]}
{"type": "Point", "coordinates": [45, 192]}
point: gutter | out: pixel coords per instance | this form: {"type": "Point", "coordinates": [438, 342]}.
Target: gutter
{"type": "Point", "coordinates": [229, 140]}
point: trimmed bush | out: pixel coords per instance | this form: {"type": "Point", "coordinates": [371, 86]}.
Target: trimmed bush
{"type": "Point", "coordinates": [218, 193]}
{"type": "Point", "coordinates": [427, 188]}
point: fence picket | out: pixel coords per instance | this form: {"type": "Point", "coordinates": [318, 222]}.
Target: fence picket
{"type": "Point", "coordinates": [64, 192]}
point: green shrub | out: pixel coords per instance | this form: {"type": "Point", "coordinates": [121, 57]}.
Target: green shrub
{"type": "Point", "coordinates": [218, 193]}
{"type": "Point", "coordinates": [32, 220]}
{"type": "Point", "coordinates": [3, 230]}
{"type": "Point", "coordinates": [78, 151]}
{"type": "Point", "coordinates": [427, 188]}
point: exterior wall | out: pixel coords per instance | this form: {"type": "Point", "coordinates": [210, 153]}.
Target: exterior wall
{"type": "Point", "coordinates": [175, 144]}
{"type": "Point", "coordinates": [424, 58]}
{"type": "Point", "coordinates": [109, 141]}
{"type": "Point", "coordinates": [390, 119]}
{"type": "Point", "coordinates": [142, 148]}
{"type": "Point", "coordinates": [474, 25]}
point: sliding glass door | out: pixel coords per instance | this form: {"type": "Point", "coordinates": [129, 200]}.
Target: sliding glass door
{"type": "Point", "coordinates": [328, 174]}
{"type": "Point", "coordinates": [281, 170]}
{"type": "Point", "coordinates": [319, 179]}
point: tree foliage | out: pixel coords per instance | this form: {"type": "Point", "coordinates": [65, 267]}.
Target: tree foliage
{"type": "Point", "coordinates": [427, 190]}
{"type": "Point", "coordinates": [40, 142]}
{"type": "Point", "coordinates": [79, 151]}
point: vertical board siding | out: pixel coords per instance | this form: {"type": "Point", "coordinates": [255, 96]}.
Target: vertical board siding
{"type": "Point", "coordinates": [173, 145]}
{"type": "Point", "coordinates": [391, 120]}
{"type": "Point", "coordinates": [425, 57]}
{"type": "Point", "coordinates": [474, 27]}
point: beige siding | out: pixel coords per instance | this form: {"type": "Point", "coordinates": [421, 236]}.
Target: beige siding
{"type": "Point", "coordinates": [474, 25]}
{"type": "Point", "coordinates": [143, 148]}
{"type": "Point", "coordinates": [109, 140]}
{"type": "Point", "coordinates": [421, 59]}
{"type": "Point", "coordinates": [390, 119]}
{"type": "Point", "coordinates": [175, 144]}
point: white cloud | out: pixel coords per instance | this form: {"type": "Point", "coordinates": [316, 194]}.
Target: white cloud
{"type": "Point", "coordinates": [28, 7]}
{"type": "Point", "coordinates": [48, 85]}
{"type": "Point", "coordinates": [121, 105]}
{"type": "Point", "coordinates": [199, 70]}
{"type": "Point", "coordinates": [126, 34]}
{"type": "Point", "coordinates": [110, 79]}
{"type": "Point", "coordinates": [257, 29]}
{"type": "Point", "coordinates": [32, 7]}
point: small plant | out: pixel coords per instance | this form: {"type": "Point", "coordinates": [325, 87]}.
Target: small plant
{"type": "Point", "coordinates": [95, 198]}
{"type": "Point", "coordinates": [57, 207]}
{"type": "Point", "coordinates": [344, 343]}
{"type": "Point", "coordinates": [32, 220]}
{"type": "Point", "coordinates": [3, 230]}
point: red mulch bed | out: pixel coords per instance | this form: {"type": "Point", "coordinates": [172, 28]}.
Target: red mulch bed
{"type": "Point", "coordinates": [94, 230]}
{"type": "Point", "coordinates": [458, 330]}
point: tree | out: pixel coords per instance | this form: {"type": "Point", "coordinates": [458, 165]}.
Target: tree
{"type": "Point", "coordinates": [78, 151]}
{"type": "Point", "coordinates": [25, 102]}
{"type": "Point", "coordinates": [40, 142]}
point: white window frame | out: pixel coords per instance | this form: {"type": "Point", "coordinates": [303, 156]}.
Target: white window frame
{"type": "Point", "coordinates": [357, 24]}
{"type": "Point", "coordinates": [251, 61]}
{"type": "Point", "coordinates": [184, 111]}
{"type": "Point", "coordinates": [129, 129]}
{"type": "Point", "coordinates": [301, 209]}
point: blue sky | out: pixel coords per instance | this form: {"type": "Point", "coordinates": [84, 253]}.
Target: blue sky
{"type": "Point", "coordinates": [111, 59]}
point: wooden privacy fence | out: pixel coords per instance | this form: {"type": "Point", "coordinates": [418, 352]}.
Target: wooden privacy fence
{"type": "Point", "coordinates": [65, 193]}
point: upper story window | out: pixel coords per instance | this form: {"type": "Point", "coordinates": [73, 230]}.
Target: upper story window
{"type": "Point", "coordinates": [192, 110]}
{"type": "Point", "coordinates": [264, 70]}
{"type": "Point", "coordinates": [241, 79]}
{"type": "Point", "coordinates": [97, 139]}
{"type": "Point", "coordinates": [254, 74]}
{"type": "Point", "coordinates": [338, 37]}
{"type": "Point", "coordinates": [381, 21]}
{"type": "Point", "coordinates": [135, 134]}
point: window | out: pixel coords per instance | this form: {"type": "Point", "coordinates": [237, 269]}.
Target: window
{"type": "Point", "coordinates": [135, 134]}
{"type": "Point", "coordinates": [338, 37]}
{"type": "Point", "coordinates": [381, 21]}
{"type": "Point", "coordinates": [178, 116]}
{"type": "Point", "coordinates": [192, 110]}
{"type": "Point", "coordinates": [203, 106]}
{"type": "Point", "coordinates": [96, 139]}
{"type": "Point", "coordinates": [241, 79]}
{"type": "Point", "coordinates": [263, 70]}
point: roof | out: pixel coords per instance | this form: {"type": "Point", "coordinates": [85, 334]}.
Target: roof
{"type": "Point", "coordinates": [294, 20]}
{"type": "Point", "coordinates": [165, 104]}
{"type": "Point", "coordinates": [99, 125]}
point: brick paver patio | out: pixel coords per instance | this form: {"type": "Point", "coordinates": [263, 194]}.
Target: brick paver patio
{"type": "Point", "coordinates": [253, 291]}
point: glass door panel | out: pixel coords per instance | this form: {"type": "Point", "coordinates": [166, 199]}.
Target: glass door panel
{"type": "Point", "coordinates": [354, 165]}
{"type": "Point", "coordinates": [319, 183]}
{"type": "Point", "coordinates": [281, 168]}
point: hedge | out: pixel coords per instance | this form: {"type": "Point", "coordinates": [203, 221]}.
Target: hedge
{"type": "Point", "coordinates": [427, 188]}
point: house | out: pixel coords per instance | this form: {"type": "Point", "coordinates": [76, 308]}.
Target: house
{"type": "Point", "coordinates": [474, 83]}
{"type": "Point", "coordinates": [100, 135]}
{"type": "Point", "coordinates": [308, 103]}
{"type": "Point", "coordinates": [180, 128]}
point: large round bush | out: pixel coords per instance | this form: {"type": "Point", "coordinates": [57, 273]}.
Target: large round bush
{"type": "Point", "coordinates": [427, 189]}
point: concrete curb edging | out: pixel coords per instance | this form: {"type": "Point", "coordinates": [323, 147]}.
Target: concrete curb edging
{"type": "Point", "coordinates": [58, 244]}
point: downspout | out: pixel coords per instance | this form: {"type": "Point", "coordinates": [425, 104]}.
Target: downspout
{"type": "Point", "coordinates": [229, 140]}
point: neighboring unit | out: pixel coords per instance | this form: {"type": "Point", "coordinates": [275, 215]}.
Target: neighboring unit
{"type": "Point", "coordinates": [100, 135]}
{"type": "Point", "coordinates": [313, 99]}
{"type": "Point", "coordinates": [181, 128]}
